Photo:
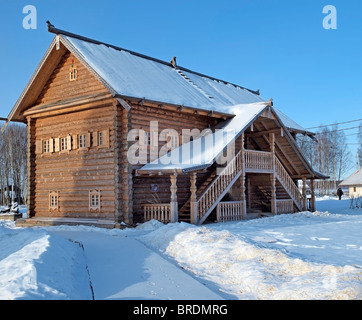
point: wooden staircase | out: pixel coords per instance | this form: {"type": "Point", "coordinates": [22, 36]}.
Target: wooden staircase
{"type": "Point", "coordinates": [216, 186]}
{"type": "Point", "coordinates": [184, 213]}
{"type": "Point", "coordinates": [288, 184]}
{"type": "Point", "coordinates": [219, 187]}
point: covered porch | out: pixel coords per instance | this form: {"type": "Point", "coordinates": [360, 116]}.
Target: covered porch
{"type": "Point", "coordinates": [259, 175]}
{"type": "Point", "coordinates": [230, 196]}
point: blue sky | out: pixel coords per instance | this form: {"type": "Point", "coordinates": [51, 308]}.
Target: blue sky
{"type": "Point", "coordinates": [314, 75]}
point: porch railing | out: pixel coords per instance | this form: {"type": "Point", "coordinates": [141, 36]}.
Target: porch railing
{"type": "Point", "coordinates": [159, 211]}
{"type": "Point", "coordinates": [285, 206]}
{"type": "Point", "coordinates": [258, 160]}
{"type": "Point", "coordinates": [229, 211]}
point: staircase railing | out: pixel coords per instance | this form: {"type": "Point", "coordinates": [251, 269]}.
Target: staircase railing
{"type": "Point", "coordinates": [200, 190]}
{"type": "Point", "coordinates": [219, 187]}
{"type": "Point", "coordinates": [288, 184]}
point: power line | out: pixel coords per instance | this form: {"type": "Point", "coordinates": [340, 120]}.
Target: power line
{"type": "Point", "coordinates": [352, 134]}
{"type": "Point", "coordinates": [340, 130]}
{"type": "Point", "coordinates": [334, 124]}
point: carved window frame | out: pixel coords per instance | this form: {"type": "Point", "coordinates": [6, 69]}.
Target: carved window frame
{"type": "Point", "coordinates": [54, 201]}
{"type": "Point", "coordinates": [94, 200]}
{"type": "Point", "coordinates": [73, 73]}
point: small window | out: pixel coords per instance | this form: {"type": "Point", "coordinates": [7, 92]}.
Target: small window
{"type": "Point", "coordinates": [173, 141]}
{"type": "Point", "coordinates": [73, 73]}
{"type": "Point", "coordinates": [354, 189]}
{"type": "Point", "coordinates": [100, 138]}
{"type": "Point", "coordinates": [148, 139]}
{"type": "Point", "coordinates": [82, 143]}
{"type": "Point", "coordinates": [53, 200]}
{"type": "Point", "coordinates": [144, 138]}
{"type": "Point", "coordinates": [94, 200]}
{"type": "Point", "coordinates": [46, 146]}
{"type": "Point", "coordinates": [63, 144]}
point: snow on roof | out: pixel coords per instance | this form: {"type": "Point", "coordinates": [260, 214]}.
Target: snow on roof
{"type": "Point", "coordinates": [289, 123]}
{"type": "Point", "coordinates": [355, 179]}
{"type": "Point", "coordinates": [203, 151]}
{"type": "Point", "coordinates": [133, 75]}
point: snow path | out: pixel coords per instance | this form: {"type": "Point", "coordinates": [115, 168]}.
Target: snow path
{"type": "Point", "coordinates": [37, 265]}
{"type": "Point", "coordinates": [121, 267]}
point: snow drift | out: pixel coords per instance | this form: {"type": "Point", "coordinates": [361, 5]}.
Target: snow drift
{"type": "Point", "coordinates": [250, 271]}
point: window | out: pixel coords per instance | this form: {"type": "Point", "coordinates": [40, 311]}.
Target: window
{"type": "Point", "coordinates": [63, 144]}
{"type": "Point", "coordinates": [94, 200]}
{"type": "Point", "coordinates": [73, 73]}
{"type": "Point", "coordinates": [46, 146]}
{"type": "Point", "coordinates": [144, 138]}
{"type": "Point", "coordinates": [354, 189]}
{"type": "Point", "coordinates": [173, 141]}
{"type": "Point", "coordinates": [53, 200]}
{"type": "Point", "coordinates": [100, 138]}
{"type": "Point", "coordinates": [82, 143]}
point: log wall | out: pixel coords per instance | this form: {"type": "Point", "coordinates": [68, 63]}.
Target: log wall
{"type": "Point", "coordinates": [140, 117]}
{"type": "Point", "coordinates": [59, 87]}
{"type": "Point", "coordinates": [74, 173]}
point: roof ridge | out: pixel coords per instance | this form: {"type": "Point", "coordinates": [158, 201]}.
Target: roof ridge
{"type": "Point", "coordinates": [52, 29]}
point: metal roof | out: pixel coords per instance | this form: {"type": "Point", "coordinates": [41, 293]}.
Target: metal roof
{"type": "Point", "coordinates": [133, 75]}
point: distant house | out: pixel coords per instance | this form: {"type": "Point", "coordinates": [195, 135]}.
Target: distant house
{"type": "Point", "coordinates": [120, 136]}
{"type": "Point", "coordinates": [354, 183]}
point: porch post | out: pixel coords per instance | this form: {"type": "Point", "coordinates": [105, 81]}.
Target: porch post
{"type": "Point", "coordinates": [174, 204]}
{"type": "Point", "coordinates": [312, 200]}
{"type": "Point", "coordinates": [242, 178]}
{"type": "Point", "coordinates": [272, 176]}
{"type": "Point", "coordinates": [193, 200]}
{"type": "Point", "coordinates": [304, 193]}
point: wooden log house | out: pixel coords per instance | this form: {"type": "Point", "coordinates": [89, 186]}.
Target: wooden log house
{"type": "Point", "coordinates": [89, 105]}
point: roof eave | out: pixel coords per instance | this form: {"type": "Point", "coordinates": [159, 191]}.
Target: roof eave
{"type": "Point", "coordinates": [313, 173]}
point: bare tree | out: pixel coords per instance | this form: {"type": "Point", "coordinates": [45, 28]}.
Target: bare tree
{"type": "Point", "coordinates": [13, 153]}
{"type": "Point", "coordinates": [329, 155]}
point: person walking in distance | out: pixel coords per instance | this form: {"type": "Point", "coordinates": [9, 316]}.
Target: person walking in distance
{"type": "Point", "coordinates": [339, 193]}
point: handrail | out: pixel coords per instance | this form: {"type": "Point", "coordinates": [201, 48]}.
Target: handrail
{"type": "Point", "coordinates": [219, 185]}
{"type": "Point", "coordinates": [288, 183]}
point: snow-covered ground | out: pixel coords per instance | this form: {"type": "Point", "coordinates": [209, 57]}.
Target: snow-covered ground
{"type": "Point", "coordinates": [301, 256]}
